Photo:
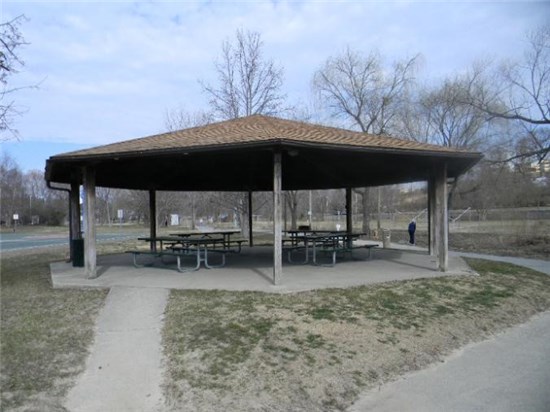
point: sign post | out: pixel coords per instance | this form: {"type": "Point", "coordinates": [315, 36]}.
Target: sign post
{"type": "Point", "coordinates": [15, 219]}
{"type": "Point", "coordinates": [120, 215]}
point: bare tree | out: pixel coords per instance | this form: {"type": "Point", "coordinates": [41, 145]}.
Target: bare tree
{"type": "Point", "coordinates": [105, 204]}
{"type": "Point", "coordinates": [520, 92]}
{"type": "Point", "coordinates": [177, 119]}
{"type": "Point", "coordinates": [441, 115]}
{"type": "Point", "coordinates": [11, 40]}
{"type": "Point", "coordinates": [12, 190]}
{"type": "Point", "coordinates": [247, 82]}
{"type": "Point", "coordinates": [361, 90]}
{"type": "Point", "coordinates": [448, 121]}
{"type": "Point", "coordinates": [137, 202]}
{"type": "Point", "coordinates": [26, 195]}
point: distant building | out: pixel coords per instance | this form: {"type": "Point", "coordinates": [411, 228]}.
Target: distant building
{"type": "Point", "coordinates": [540, 169]}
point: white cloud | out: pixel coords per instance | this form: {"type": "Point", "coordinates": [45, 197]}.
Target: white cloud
{"type": "Point", "coordinates": [112, 69]}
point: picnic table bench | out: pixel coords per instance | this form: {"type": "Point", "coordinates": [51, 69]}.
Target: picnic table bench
{"type": "Point", "coordinates": [334, 250]}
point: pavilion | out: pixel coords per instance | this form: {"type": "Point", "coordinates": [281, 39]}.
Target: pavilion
{"type": "Point", "coordinates": [259, 153]}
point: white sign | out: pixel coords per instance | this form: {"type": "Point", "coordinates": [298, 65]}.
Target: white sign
{"type": "Point", "coordinates": [15, 216]}
{"type": "Point", "coordinates": [174, 220]}
{"type": "Point", "coordinates": [120, 213]}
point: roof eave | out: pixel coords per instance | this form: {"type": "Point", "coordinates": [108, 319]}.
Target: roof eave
{"type": "Point", "coordinates": [267, 144]}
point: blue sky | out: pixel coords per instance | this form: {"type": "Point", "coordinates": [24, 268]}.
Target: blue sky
{"type": "Point", "coordinates": [108, 71]}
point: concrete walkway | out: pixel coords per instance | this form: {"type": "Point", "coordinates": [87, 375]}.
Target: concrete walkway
{"type": "Point", "coordinates": [535, 264]}
{"type": "Point", "coordinates": [123, 371]}
{"type": "Point", "coordinates": [510, 372]}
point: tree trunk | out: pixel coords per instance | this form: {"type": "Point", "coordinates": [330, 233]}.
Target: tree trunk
{"type": "Point", "coordinates": [292, 201]}
{"type": "Point", "coordinates": [378, 212]}
{"type": "Point", "coordinates": [243, 215]}
{"type": "Point", "coordinates": [451, 189]}
{"type": "Point", "coordinates": [108, 210]}
{"type": "Point", "coordinates": [193, 212]}
{"type": "Point", "coordinates": [365, 210]}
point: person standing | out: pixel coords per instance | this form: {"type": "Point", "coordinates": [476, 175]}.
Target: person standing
{"type": "Point", "coordinates": [412, 229]}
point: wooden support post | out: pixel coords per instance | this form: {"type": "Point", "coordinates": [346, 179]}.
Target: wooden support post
{"type": "Point", "coordinates": [441, 219]}
{"type": "Point", "coordinates": [277, 219]}
{"type": "Point", "coordinates": [74, 215]}
{"type": "Point", "coordinates": [431, 215]}
{"type": "Point", "coordinates": [90, 235]}
{"type": "Point", "coordinates": [349, 215]}
{"type": "Point", "coordinates": [250, 235]}
{"type": "Point", "coordinates": [153, 218]}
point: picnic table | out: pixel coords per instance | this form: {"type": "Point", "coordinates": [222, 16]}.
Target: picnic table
{"type": "Point", "coordinates": [297, 235]}
{"type": "Point", "coordinates": [225, 234]}
{"type": "Point", "coordinates": [323, 242]}
{"type": "Point", "coordinates": [160, 241]}
{"type": "Point", "coordinates": [180, 247]}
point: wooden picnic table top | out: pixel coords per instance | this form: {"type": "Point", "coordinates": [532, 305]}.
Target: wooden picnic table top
{"type": "Point", "coordinates": [293, 231]}
{"type": "Point", "coordinates": [177, 239]}
{"type": "Point", "coordinates": [160, 239]}
{"type": "Point", "coordinates": [206, 234]}
{"type": "Point", "coordinates": [322, 234]}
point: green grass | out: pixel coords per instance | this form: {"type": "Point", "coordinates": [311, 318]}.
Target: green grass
{"type": "Point", "coordinates": [45, 333]}
{"type": "Point", "coordinates": [231, 343]}
{"type": "Point", "coordinates": [214, 338]}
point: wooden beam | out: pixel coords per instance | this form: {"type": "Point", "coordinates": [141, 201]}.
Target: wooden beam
{"type": "Point", "coordinates": [441, 219]}
{"type": "Point", "coordinates": [277, 219]}
{"type": "Point", "coordinates": [153, 218]}
{"type": "Point", "coordinates": [90, 254]}
{"type": "Point", "coordinates": [250, 235]}
{"type": "Point", "coordinates": [431, 215]}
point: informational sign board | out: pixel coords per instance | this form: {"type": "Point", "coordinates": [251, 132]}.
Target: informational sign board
{"type": "Point", "coordinates": [120, 213]}
{"type": "Point", "coordinates": [174, 220]}
{"type": "Point", "coordinates": [15, 216]}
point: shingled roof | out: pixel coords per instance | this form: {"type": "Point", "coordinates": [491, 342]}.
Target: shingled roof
{"type": "Point", "coordinates": [237, 155]}
{"type": "Point", "coordinates": [255, 129]}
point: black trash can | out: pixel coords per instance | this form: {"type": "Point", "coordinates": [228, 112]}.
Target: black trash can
{"type": "Point", "coordinates": [78, 252]}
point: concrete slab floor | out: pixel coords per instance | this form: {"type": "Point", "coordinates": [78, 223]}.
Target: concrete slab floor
{"type": "Point", "coordinates": [252, 270]}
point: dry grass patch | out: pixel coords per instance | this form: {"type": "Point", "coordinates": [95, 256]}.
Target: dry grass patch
{"type": "Point", "coordinates": [317, 351]}
{"type": "Point", "coordinates": [45, 333]}
{"type": "Point", "coordinates": [519, 244]}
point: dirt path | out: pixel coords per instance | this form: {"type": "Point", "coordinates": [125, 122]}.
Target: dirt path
{"type": "Point", "coordinates": [123, 371]}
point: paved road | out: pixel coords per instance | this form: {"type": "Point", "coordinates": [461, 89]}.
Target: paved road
{"type": "Point", "coordinates": [508, 373]}
{"type": "Point", "coordinates": [19, 241]}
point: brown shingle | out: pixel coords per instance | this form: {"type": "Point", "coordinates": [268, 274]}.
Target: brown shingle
{"type": "Point", "coordinates": [255, 129]}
